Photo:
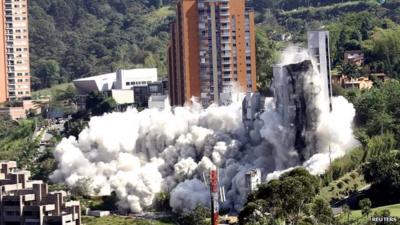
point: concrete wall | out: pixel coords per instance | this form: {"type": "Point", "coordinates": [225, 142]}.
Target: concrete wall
{"type": "Point", "coordinates": [123, 96]}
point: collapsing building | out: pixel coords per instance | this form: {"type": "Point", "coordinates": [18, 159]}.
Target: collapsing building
{"type": "Point", "coordinates": [297, 87]}
{"type": "Point", "coordinates": [318, 49]}
{"type": "Point", "coordinates": [23, 201]}
{"type": "Point", "coordinates": [252, 107]}
{"type": "Point", "coordinates": [294, 102]}
{"type": "Point", "coordinates": [253, 179]}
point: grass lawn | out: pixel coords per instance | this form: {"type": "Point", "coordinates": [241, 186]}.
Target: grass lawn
{"type": "Point", "coordinates": [51, 91]}
{"type": "Point", "coordinates": [357, 216]}
{"type": "Point", "coordinates": [119, 220]}
{"type": "Point", "coordinates": [394, 211]}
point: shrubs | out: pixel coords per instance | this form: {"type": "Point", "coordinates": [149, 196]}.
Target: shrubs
{"type": "Point", "coordinates": [339, 185]}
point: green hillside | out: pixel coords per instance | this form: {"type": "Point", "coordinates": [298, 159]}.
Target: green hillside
{"type": "Point", "coordinates": [78, 38]}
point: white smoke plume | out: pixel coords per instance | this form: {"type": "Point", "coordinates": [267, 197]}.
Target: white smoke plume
{"type": "Point", "coordinates": [139, 154]}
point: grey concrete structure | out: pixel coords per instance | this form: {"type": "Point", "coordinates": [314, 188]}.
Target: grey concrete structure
{"type": "Point", "coordinates": [253, 179]}
{"type": "Point", "coordinates": [318, 47]}
{"type": "Point", "coordinates": [27, 202]}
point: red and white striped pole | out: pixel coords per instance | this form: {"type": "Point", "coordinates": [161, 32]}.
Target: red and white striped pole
{"type": "Point", "coordinates": [214, 196]}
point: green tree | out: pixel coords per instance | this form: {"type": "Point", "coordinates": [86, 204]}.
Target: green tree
{"type": "Point", "coordinates": [284, 199]}
{"type": "Point", "coordinates": [322, 211]}
{"type": "Point", "coordinates": [198, 216]}
{"type": "Point", "coordinates": [365, 205]}
{"type": "Point", "coordinates": [98, 104]}
{"type": "Point", "coordinates": [266, 55]}
{"type": "Point", "coordinates": [347, 212]}
{"type": "Point", "coordinates": [48, 72]}
{"type": "Point", "coordinates": [387, 49]}
{"type": "Point", "coordinates": [384, 173]}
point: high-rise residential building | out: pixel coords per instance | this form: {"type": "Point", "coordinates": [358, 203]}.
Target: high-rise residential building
{"type": "Point", "coordinates": [15, 80]}
{"type": "Point", "coordinates": [212, 50]}
{"type": "Point", "coordinates": [318, 48]}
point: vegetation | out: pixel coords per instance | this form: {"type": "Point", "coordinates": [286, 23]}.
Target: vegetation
{"type": "Point", "coordinates": [198, 216]}
{"type": "Point", "coordinates": [291, 199]}
{"type": "Point", "coordinates": [384, 174]}
{"type": "Point", "coordinates": [343, 187]}
{"type": "Point", "coordinates": [19, 141]}
{"type": "Point", "coordinates": [75, 38]}
{"type": "Point", "coordinates": [394, 210]}
{"type": "Point", "coordinates": [118, 220]}
{"type": "Point", "coordinates": [51, 92]}
{"type": "Point", "coordinates": [96, 104]}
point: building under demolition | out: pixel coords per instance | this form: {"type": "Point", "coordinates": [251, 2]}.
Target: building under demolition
{"type": "Point", "coordinates": [28, 202]}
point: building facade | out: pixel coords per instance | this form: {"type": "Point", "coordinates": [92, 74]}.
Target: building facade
{"type": "Point", "coordinates": [15, 80]}
{"type": "Point", "coordinates": [127, 87]}
{"type": "Point", "coordinates": [212, 51]}
{"type": "Point", "coordinates": [26, 202]}
{"type": "Point", "coordinates": [318, 48]}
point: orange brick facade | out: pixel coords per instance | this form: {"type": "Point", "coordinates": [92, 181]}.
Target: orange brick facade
{"type": "Point", "coordinates": [15, 82]}
{"type": "Point", "coordinates": [3, 65]}
{"type": "Point", "coordinates": [212, 48]}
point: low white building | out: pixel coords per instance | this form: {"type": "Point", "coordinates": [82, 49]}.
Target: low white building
{"type": "Point", "coordinates": [123, 96]}
{"type": "Point", "coordinates": [158, 102]}
{"type": "Point", "coordinates": [127, 79]}
{"type": "Point", "coordinates": [104, 82]}
{"type": "Point", "coordinates": [120, 80]}
{"type": "Point", "coordinates": [120, 84]}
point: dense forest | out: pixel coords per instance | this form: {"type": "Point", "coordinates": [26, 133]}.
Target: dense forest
{"type": "Point", "coordinates": [77, 38]}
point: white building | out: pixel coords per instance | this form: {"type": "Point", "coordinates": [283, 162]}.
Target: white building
{"type": "Point", "coordinates": [318, 48]}
{"type": "Point", "coordinates": [127, 79]}
{"type": "Point", "coordinates": [120, 80]}
{"type": "Point", "coordinates": [119, 84]}
{"type": "Point", "coordinates": [158, 102]}
{"type": "Point", "coordinates": [104, 82]}
{"type": "Point", "coordinates": [253, 179]}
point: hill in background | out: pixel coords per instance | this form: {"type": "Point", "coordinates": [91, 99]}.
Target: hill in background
{"type": "Point", "coordinates": [78, 38]}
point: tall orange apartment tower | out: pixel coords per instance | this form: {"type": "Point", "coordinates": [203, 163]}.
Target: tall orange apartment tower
{"type": "Point", "coordinates": [212, 51]}
{"type": "Point", "coordinates": [15, 80]}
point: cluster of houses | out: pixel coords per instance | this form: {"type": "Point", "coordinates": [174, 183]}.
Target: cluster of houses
{"type": "Point", "coordinates": [365, 81]}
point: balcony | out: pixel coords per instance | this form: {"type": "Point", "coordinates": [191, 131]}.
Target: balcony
{"type": "Point", "coordinates": [226, 48]}
{"type": "Point", "coordinates": [224, 13]}
{"type": "Point", "coordinates": [224, 28]}
{"type": "Point", "coordinates": [226, 55]}
{"type": "Point", "coordinates": [226, 62]}
{"type": "Point", "coordinates": [225, 41]}
{"type": "Point", "coordinates": [224, 20]}
{"type": "Point", "coordinates": [225, 34]}
{"type": "Point", "coordinates": [224, 6]}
